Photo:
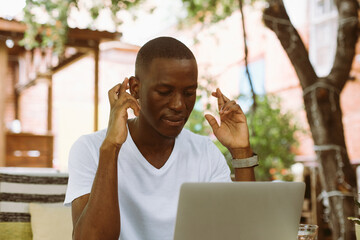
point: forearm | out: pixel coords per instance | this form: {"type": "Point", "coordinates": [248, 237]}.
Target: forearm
{"type": "Point", "coordinates": [100, 218]}
{"type": "Point", "coordinates": [243, 174]}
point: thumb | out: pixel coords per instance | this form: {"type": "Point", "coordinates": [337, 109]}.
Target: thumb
{"type": "Point", "coordinates": [212, 121]}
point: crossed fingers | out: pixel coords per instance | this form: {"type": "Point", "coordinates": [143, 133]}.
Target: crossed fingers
{"type": "Point", "coordinates": [225, 105]}
{"type": "Point", "coordinates": [118, 97]}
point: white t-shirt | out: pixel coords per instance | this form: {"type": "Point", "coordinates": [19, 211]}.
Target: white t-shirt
{"type": "Point", "coordinates": [148, 196]}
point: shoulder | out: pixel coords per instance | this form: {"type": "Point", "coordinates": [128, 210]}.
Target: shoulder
{"type": "Point", "coordinates": [88, 144]}
{"type": "Point", "coordinates": [189, 138]}
{"type": "Point", "coordinates": [202, 151]}
{"type": "Point", "coordinates": [93, 139]}
{"type": "Point", "coordinates": [186, 134]}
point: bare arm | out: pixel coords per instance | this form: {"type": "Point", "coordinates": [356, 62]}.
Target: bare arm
{"type": "Point", "coordinates": [96, 215]}
{"type": "Point", "coordinates": [243, 174]}
{"type": "Point", "coordinates": [233, 133]}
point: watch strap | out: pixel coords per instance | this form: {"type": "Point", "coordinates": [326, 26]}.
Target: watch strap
{"type": "Point", "coordinates": [246, 162]}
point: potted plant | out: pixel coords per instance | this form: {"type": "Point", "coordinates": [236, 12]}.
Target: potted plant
{"type": "Point", "coordinates": [357, 222]}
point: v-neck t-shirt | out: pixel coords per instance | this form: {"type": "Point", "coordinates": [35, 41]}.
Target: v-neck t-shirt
{"type": "Point", "coordinates": [148, 196]}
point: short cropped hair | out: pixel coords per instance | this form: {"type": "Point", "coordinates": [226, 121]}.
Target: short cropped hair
{"type": "Point", "coordinates": [161, 47]}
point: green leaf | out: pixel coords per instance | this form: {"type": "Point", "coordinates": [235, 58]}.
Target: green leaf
{"type": "Point", "coordinates": [56, 12]}
{"type": "Point", "coordinates": [356, 220]}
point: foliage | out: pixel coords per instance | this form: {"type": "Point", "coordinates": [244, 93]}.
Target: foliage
{"type": "Point", "coordinates": [197, 122]}
{"type": "Point", "coordinates": [209, 11]}
{"type": "Point", "coordinates": [53, 31]}
{"type": "Point", "coordinates": [47, 20]}
{"type": "Point", "coordinates": [212, 11]}
{"type": "Point", "coordinates": [271, 137]}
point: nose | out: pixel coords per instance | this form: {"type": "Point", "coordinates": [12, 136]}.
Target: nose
{"type": "Point", "coordinates": [176, 102]}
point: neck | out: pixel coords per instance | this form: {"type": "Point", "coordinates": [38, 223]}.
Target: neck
{"type": "Point", "coordinates": [145, 137]}
{"type": "Point", "coordinates": [155, 148]}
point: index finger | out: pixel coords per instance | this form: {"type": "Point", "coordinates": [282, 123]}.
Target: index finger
{"type": "Point", "coordinates": [225, 98]}
{"type": "Point", "coordinates": [124, 86]}
{"type": "Point", "coordinates": [114, 92]}
{"type": "Point", "coordinates": [222, 99]}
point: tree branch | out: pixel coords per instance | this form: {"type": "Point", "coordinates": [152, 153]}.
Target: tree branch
{"type": "Point", "coordinates": [246, 55]}
{"type": "Point", "coordinates": [346, 40]}
{"type": "Point", "coordinates": [276, 18]}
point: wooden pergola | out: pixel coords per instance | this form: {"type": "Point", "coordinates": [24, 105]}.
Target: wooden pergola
{"type": "Point", "coordinates": [42, 64]}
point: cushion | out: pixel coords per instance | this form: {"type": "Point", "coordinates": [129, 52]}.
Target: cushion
{"type": "Point", "coordinates": [15, 230]}
{"type": "Point", "coordinates": [17, 190]}
{"type": "Point", "coordinates": [50, 221]}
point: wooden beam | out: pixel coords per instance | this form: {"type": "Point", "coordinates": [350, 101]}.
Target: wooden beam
{"type": "Point", "coordinates": [48, 75]}
{"type": "Point", "coordinates": [50, 101]}
{"type": "Point", "coordinates": [12, 26]}
{"type": "Point", "coordinates": [73, 33]}
{"type": "Point", "coordinates": [13, 66]}
{"type": "Point", "coordinates": [3, 71]}
{"type": "Point", "coordinates": [16, 105]}
{"type": "Point", "coordinates": [67, 61]}
{"type": "Point", "coordinates": [96, 88]}
{"type": "Point", "coordinates": [87, 34]}
{"type": "Point", "coordinates": [20, 88]}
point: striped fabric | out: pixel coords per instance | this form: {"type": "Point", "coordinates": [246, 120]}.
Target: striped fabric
{"type": "Point", "coordinates": [18, 190]}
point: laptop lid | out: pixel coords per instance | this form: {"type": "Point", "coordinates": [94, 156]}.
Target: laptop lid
{"type": "Point", "coordinates": [239, 210]}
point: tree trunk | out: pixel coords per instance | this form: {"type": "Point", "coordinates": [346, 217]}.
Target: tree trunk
{"type": "Point", "coordinates": [246, 56]}
{"type": "Point", "coordinates": [322, 105]}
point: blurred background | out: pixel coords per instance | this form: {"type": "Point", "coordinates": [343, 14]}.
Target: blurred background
{"type": "Point", "coordinates": [58, 59]}
{"type": "Point", "coordinates": [218, 48]}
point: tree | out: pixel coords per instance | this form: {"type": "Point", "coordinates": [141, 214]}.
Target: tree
{"type": "Point", "coordinates": [47, 20]}
{"type": "Point", "coordinates": [271, 131]}
{"type": "Point", "coordinates": [272, 138]}
{"type": "Point", "coordinates": [321, 96]}
{"type": "Point", "coordinates": [322, 105]}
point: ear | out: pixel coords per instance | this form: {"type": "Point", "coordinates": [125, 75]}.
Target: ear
{"type": "Point", "coordinates": [134, 87]}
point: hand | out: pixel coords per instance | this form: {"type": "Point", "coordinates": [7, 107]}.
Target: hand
{"type": "Point", "coordinates": [120, 101]}
{"type": "Point", "coordinates": [233, 131]}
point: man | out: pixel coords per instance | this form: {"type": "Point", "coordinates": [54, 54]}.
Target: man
{"type": "Point", "coordinates": [133, 170]}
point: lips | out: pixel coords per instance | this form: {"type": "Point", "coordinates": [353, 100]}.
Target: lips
{"type": "Point", "coordinates": [174, 121]}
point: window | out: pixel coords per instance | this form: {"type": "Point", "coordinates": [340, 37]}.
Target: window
{"type": "Point", "coordinates": [323, 32]}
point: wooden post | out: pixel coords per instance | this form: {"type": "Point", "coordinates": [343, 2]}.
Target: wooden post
{"type": "Point", "coordinates": [14, 68]}
{"type": "Point", "coordinates": [50, 101]}
{"type": "Point", "coordinates": [314, 194]}
{"type": "Point", "coordinates": [3, 78]}
{"type": "Point", "coordinates": [17, 105]}
{"type": "Point", "coordinates": [96, 88]}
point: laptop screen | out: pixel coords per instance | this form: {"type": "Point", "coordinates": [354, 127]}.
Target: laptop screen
{"type": "Point", "coordinates": [239, 210]}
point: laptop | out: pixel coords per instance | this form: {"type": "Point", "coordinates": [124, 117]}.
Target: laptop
{"type": "Point", "coordinates": [239, 210]}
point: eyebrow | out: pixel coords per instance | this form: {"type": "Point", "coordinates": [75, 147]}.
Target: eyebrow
{"type": "Point", "coordinates": [163, 85]}
{"type": "Point", "coordinates": [171, 86]}
{"type": "Point", "coordinates": [193, 86]}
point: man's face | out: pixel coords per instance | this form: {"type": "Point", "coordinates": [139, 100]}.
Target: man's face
{"type": "Point", "coordinates": [167, 94]}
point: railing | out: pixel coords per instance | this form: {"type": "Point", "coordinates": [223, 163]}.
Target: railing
{"type": "Point", "coordinates": [29, 150]}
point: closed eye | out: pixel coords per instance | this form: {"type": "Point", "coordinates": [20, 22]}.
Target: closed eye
{"type": "Point", "coordinates": [190, 93]}
{"type": "Point", "coordinates": [164, 93]}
